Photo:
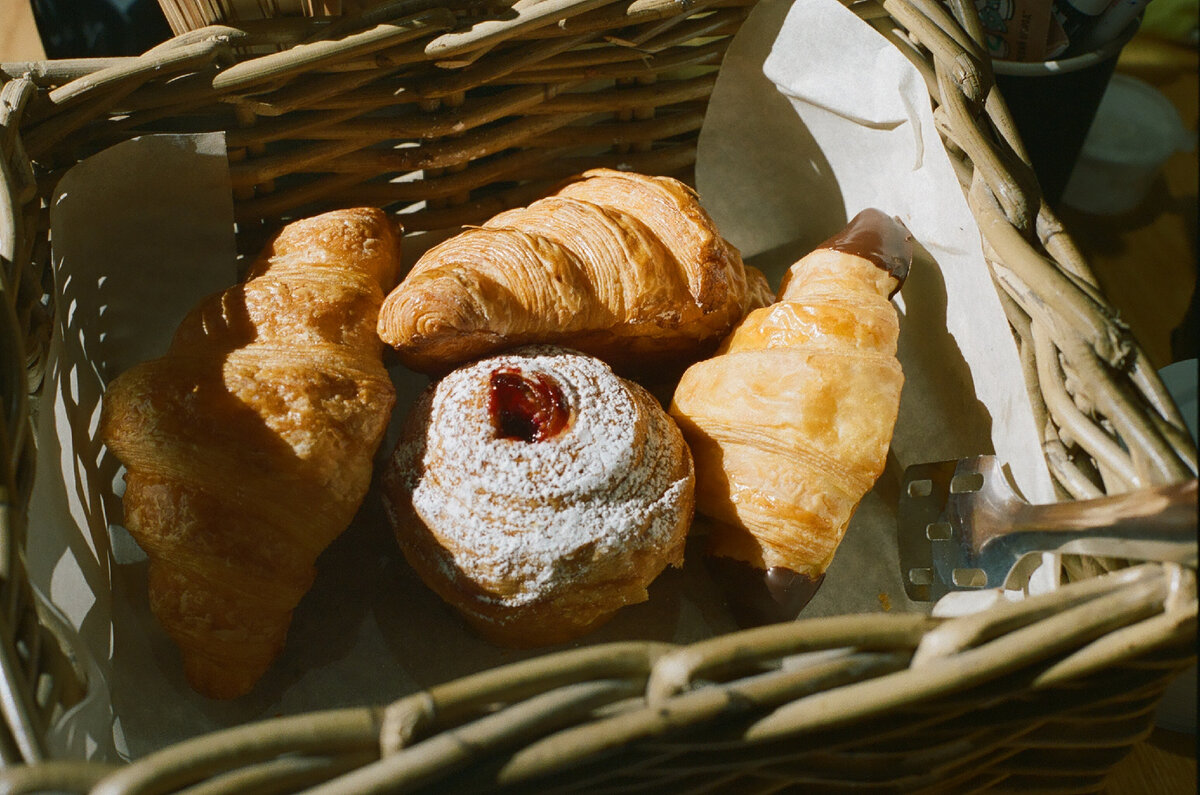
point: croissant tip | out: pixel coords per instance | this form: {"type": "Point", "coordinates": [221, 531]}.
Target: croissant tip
{"type": "Point", "coordinates": [757, 597]}
{"type": "Point", "coordinates": [217, 682]}
{"type": "Point", "coordinates": [879, 238]}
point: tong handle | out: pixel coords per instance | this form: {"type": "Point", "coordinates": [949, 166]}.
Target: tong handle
{"type": "Point", "coordinates": [1148, 524]}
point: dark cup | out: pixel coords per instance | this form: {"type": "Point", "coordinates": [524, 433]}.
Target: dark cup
{"type": "Point", "coordinates": [1053, 104]}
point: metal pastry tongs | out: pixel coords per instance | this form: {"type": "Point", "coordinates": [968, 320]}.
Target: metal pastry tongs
{"type": "Point", "coordinates": [962, 526]}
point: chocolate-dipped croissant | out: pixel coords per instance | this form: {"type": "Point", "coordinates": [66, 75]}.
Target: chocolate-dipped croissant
{"type": "Point", "coordinates": [626, 267]}
{"type": "Point", "coordinates": [790, 423]}
{"type": "Point", "coordinates": [248, 445]}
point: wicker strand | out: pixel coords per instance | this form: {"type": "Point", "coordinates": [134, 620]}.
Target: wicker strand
{"type": "Point", "coordinates": [25, 657]}
{"type": "Point", "coordinates": [1050, 232]}
{"type": "Point", "coordinates": [60, 775]}
{"type": "Point", "coordinates": [454, 702]}
{"type": "Point", "coordinates": [347, 730]}
{"type": "Point", "coordinates": [134, 73]}
{"type": "Point", "coordinates": [1077, 426]}
{"type": "Point", "coordinates": [448, 751]}
{"type": "Point", "coordinates": [330, 92]}
{"type": "Point", "coordinates": [308, 56]}
{"type": "Point", "coordinates": [16, 701]}
{"type": "Point", "coordinates": [92, 96]}
{"type": "Point", "coordinates": [968, 668]}
{"type": "Point", "coordinates": [674, 673]}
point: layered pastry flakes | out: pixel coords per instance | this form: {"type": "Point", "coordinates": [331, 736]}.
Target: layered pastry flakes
{"type": "Point", "coordinates": [622, 266]}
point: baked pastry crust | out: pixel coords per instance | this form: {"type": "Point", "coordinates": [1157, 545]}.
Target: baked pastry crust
{"type": "Point", "coordinates": [791, 421]}
{"type": "Point", "coordinates": [622, 266]}
{"type": "Point", "coordinates": [537, 542]}
{"type": "Point", "coordinates": [248, 445]}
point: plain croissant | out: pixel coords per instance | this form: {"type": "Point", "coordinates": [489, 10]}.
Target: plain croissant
{"type": "Point", "coordinates": [626, 267]}
{"type": "Point", "coordinates": [248, 446]}
{"type": "Point", "coordinates": [790, 422]}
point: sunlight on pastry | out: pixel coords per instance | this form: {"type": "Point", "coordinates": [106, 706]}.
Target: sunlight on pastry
{"type": "Point", "coordinates": [791, 421]}
{"type": "Point", "coordinates": [622, 266]}
{"type": "Point", "coordinates": [248, 446]}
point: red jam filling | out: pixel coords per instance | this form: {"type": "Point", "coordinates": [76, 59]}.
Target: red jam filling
{"type": "Point", "coordinates": [527, 407]}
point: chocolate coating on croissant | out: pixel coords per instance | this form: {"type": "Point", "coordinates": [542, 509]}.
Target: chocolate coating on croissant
{"type": "Point", "coordinates": [757, 597]}
{"type": "Point", "coordinates": [878, 238]}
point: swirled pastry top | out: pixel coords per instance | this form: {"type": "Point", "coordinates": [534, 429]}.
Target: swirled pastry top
{"type": "Point", "coordinates": [512, 519]}
{"type": "Point", "coordinates": [622, 266]}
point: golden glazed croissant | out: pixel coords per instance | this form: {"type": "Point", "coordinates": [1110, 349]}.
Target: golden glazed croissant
{"type": "Point", "coordinates": [625, 267]}
{"type": "Point", "coordinates": [790, 422]}
{"type": "Point", "coordinates": [248, 446]}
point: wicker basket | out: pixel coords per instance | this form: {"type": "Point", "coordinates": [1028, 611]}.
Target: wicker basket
{"type": "Point", "coordinates": [1045, 694]}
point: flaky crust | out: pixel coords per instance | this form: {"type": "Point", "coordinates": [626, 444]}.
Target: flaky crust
{"type": "Point", "coordinates": [790, 422]}
{"type": "Point", "coordinates": [248, 445]}
{"type": "Point", "coordinates": [538, 542]}
{"type": "Point", "coordinates": [625, 267]}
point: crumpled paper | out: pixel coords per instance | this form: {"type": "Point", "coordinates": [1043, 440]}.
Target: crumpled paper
{"type": "Point", "coordinates": [144, 230]}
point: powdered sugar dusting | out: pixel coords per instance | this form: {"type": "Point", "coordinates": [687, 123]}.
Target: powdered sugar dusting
{"type": "Point", "coordinates": [522, 520]}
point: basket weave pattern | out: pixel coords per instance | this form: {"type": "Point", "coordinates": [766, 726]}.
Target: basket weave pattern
{"type": "Point", "coordinates": [409, 105]}
{"type": "Point", "coordinates": [449, 112]}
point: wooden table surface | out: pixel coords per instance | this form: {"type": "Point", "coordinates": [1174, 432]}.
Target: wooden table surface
{"type": "Point", "coordinates": [1145, 260]}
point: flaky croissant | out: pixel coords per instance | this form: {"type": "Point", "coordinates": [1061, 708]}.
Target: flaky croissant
{"type": "Point", "coordinates": [248, 445]}
{"type": "Point", "coordinates": [790, 422]}
{"type": "Point", "coordinates": [626, 267]}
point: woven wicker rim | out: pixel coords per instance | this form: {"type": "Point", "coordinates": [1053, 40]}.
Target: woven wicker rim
{"type": "Point", "coordinates": [1080, 668]}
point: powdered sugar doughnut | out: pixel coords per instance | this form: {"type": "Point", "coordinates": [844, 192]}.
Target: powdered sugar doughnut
{"type": "Point", "coordinates": [537, 492]}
